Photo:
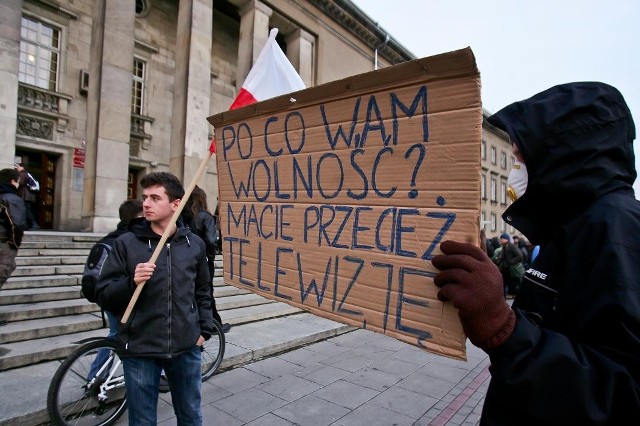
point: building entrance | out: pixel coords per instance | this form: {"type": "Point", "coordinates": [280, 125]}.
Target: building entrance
{"type": "Point", "coordinates": [42, 167]}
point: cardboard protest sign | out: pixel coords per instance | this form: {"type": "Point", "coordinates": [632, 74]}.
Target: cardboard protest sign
{"type": "Point", "coordinates": [335, 198]}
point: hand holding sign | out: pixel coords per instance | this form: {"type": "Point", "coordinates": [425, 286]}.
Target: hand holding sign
{"type": "Point", "coordinates": [473, 283]}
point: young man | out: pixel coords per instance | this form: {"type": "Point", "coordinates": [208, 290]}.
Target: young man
{"type": "Point", "coordinates": [568, 352]}
{"type": "Point", "coordinates": [172, 317]}
{"type": "Point", "coordinates": [13, 222]}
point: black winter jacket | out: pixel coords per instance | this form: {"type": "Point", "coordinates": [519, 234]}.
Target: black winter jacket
{"type": "Point", "coordinates": [574, 356]}
{"type": "Point", "coordinates": [174, 307]}
{"type": "Point", "coordinates": [13, 227]}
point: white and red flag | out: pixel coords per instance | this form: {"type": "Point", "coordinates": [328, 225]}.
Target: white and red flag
{"type": "Point", "coordinates": [272, 75]}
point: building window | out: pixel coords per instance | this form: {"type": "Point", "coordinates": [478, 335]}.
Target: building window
{"type": "Point", "coordinates": [503, 160]}
{"type": "Point", "coordinates": [503, 191]}
{"type": "Point", "coordinates": [493, 222]}
{"type": "Point", "coordinates": [39, 54]}
{"type": "Point", "coordinates": [513, 161]}
{"type": "Point", "coordinates": [493, 155]}
{"type": "Point", "coordinates": [503, 226]}
{"type": "Point", "coordinates": [494, 190]}
{"type": "Point", "coordinates": [137, 92]}
{"type": "Point", "coordinates": [483, 150]}
{"type": "Point", "coordinates": [483, 187]}
{"type": "Point", "coordinates": [483, 220]}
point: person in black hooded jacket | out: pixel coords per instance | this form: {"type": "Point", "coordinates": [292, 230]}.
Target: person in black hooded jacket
{"type": "Point", "coordinates": [568, 350]}
{"type": "Point", "coordinates": [13, 222]}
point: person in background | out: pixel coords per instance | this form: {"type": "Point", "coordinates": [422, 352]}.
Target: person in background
{"type": "Point", "coordinates": [509, 261]}
{"type": "Point", "coordinates": [13, 222]}
{"type": "Point", "coordinates": [172, 317]}
{"type": "Point", "coordinates": [28, 188]}
{"type": "Point", "coordinates": [216, 214]}
{"type": "Point", "coordinates": [130, 212]}
{"type": "Point", "coordinates": [197, 217]}
{"type": "Point", "coordinates": [568, 350]}
{"type": "Point", "coordinates": [521, 243]}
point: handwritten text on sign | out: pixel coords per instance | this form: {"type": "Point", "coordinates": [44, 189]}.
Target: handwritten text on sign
{"type": "Point", "coordinates": [337, 207]}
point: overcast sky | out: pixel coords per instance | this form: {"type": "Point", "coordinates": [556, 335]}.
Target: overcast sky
{"type": "Point", "coordinates": [524, 47]}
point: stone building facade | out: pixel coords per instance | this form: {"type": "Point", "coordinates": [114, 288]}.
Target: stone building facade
{"type": "Point", "coordinates": [96, 93]}
{"type": "Point", "coordinates": [497, 160]}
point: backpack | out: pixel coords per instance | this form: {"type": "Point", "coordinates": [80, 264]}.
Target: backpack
{"type": "Point", "coordinates": [14, 233]}
{"type": "Point", "coordinates": [97, 255]}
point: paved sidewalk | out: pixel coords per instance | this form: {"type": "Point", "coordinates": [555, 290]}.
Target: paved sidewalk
{"type": "Point", "coordinates": [357, 378]}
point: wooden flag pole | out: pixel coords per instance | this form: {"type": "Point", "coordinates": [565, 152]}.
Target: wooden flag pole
{"type": "Point", "coordinates": [167, 232]}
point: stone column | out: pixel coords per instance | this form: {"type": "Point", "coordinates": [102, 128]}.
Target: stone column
{"type": "Point", "coordinates": [192, 89]}
{"type": "Point", "coordinates": [10, 22]}
{"type": "Point", "coordinates": [300, 51]}
{"type": "Point", "coordinates": [254, 32]}
{"type": "Point", "coordinates": [108, 113]}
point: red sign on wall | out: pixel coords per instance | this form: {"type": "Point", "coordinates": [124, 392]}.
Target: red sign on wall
{"type": "Point", "coordinates": [78, 157]}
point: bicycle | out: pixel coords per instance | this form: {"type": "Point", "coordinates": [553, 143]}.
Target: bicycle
{"type": "Point", "coordinates": [81, 393]}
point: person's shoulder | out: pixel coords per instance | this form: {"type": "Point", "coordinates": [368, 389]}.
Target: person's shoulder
{"type": "Point", "coordinates": [614, 217]}
{"type": "Point", "coordinates": [11, 198]}
{"type": "Point", "coordinates": [204, 214]}
{"type": "Point", "coordinates": [614, 206]}
{"type": "Point", "coordinates": [191, 235]}
{"type": "Point", "coordinates": [125, 238]}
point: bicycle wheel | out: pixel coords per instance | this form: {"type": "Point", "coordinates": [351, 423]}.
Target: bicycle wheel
{"type": "Point", "coordinates": [213, 351]}
{"type": "Point", "coordinates": [84, 394]}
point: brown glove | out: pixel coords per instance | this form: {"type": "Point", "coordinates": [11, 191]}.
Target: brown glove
{"type": "Point", "coordinates": [470, 280]}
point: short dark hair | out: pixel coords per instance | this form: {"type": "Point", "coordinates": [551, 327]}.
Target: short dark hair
{"type": "Point", "coordinates": [129, 210]}
{"type": "Point", "coordinates": [7, 175]}
{"type": "Point", "coordinates": [169, 181]}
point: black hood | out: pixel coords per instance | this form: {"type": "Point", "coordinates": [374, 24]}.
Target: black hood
{"type": "Point", "coordinates": [576, 140]}
{"type": "Point", "coordinates": [7, 188]}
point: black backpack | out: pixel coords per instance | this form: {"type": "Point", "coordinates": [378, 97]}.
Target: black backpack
{"type": "Point", "coordinates": [92, 268]}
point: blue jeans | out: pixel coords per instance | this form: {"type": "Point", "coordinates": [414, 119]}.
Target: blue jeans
{"type": "Point", "coordinates": [103, 354]}
{"type": "Point", "coordinates": [142, 379]}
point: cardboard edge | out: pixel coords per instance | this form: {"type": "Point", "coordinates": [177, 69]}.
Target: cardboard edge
{"type": "Point", "coordinates": [432, 68]}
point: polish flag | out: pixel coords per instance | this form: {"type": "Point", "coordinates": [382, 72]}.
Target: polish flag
{"type": "Point", "coordinates": [272, 75]}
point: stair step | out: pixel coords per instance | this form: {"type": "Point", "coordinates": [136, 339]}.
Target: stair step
{"type": "Point", "coordinates": [254, 313]}
{"type": "Point", "coordinates": [41, 281]}
{"type": "Point", "coordinates": [228, 290]}
{"type": "Point", "coordinates": [86, 245]}
{"type": "Point", "coordinates": [46, 349]}
{"type": "Point", "coordinates": [39, 294]}
{"type": "Point", "coordinates": [50, 260]}
{"type": "Point", "coordinates": [30, 311]}
{"type": "Point", "coordinates": [38, 270]}
{"type": "Point", "coordinates": [52, 252]}
{"type": "Point", "coordinates": [39, 328]}
{"type": "Point", "coordinates": [241, 301]}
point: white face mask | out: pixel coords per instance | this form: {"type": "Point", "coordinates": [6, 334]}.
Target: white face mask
{"type": "Point", "coordinates": [518, 179]}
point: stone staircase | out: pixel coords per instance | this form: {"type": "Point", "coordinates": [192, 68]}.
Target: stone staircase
{"type": "Point", "coordinates": [46, 315]}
